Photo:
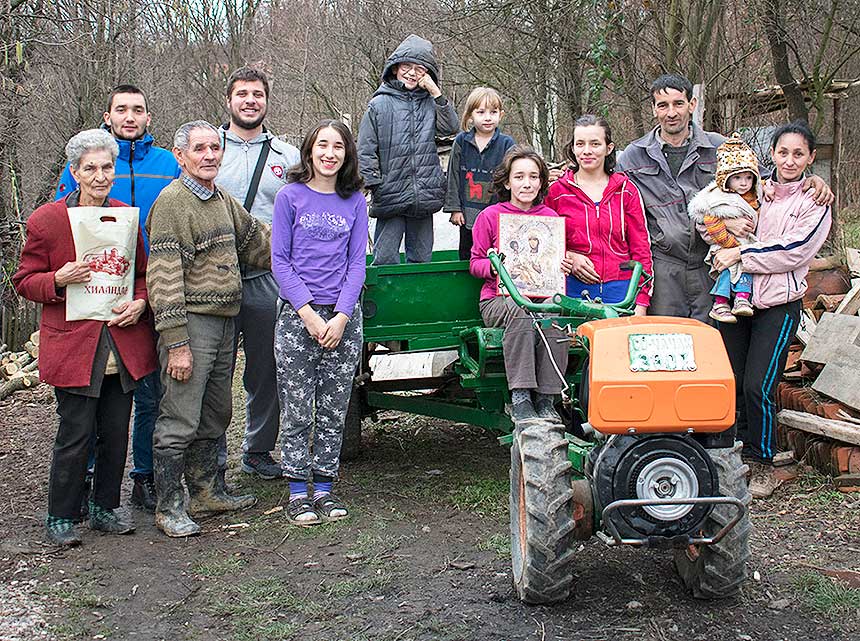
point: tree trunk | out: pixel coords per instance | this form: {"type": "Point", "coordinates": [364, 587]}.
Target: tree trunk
{"type": "Point", "coordinates": [776, 36]}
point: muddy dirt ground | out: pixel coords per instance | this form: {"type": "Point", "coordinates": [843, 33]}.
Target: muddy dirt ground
{"type": "Point", "coordinates": [425, 556]}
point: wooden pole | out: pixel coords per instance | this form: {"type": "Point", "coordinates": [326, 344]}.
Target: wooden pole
{"type": "Point", "coordinates": [835, 173]}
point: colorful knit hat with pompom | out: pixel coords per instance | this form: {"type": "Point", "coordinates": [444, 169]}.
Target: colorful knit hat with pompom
{"type": "Point", "coordinates": [733, 157]}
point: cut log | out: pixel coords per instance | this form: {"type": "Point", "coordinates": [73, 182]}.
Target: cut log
{"type": "Point", "coordinates": [23, 359]}
{"type": "Point", "coordinates": [31, 367]}
{"type": "Point", "coordinates": [34, 338]}
{"type": "Point", "coordinates": [9, 369]}
{"type": "Point", "coordinates": [18, 383]}
{"type": "Point", "coordinates": [838, 430]}
{"type": "Point", "coordinates": [32, 349]}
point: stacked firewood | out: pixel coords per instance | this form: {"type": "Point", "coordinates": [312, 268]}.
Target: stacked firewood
{"type": "Point", "coordinates": [19, 370]}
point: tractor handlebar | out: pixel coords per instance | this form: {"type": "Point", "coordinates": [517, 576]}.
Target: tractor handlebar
{"type": "Point", "coordinates": [566, 306]}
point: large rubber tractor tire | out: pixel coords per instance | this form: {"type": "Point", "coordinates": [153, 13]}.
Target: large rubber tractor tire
{"type": "Point", "coordinates": [541, 506]}
{"type": "Point", "coordinates": [718, 571]}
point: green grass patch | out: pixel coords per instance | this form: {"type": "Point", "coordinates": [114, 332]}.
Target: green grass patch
{"type": "Point", "coordinates": [486, 497]}
{"type": "Point", "coordinates": [78, 601]}
{"type": "Point", "coordinates": [258, 608]}
{"type": "Point", "coordinates": [498, 543]}
{"type": "Point", "coordinates": [364, 585]}
{"type": "Point", "coordinates": [819, 489]}
{"type": "Point", "coordinates": [828, 596]}
{"type": "Point", "coordinates": [218, 564]}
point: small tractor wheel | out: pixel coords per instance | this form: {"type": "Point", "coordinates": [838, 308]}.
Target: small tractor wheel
{"type": "Point", "coordinates": [350, 447]}
{"type": "Point", "coordinates": [541, 506]}
{"type": "Point", "coordinates": [717, 571]}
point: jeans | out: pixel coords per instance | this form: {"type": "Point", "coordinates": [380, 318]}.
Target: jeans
{"type": "Point", "coordinates": [390, 232]}
{"type": "Point", "coordinates": [725, 287]}
{"type": "Point", "coordinates": [147, 396]}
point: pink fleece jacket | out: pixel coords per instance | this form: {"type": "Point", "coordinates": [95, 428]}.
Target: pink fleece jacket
{"type": "Point", "coordinates": [791, 229]}
{"type": "Point", "coordinates": [609, 233]}
{"type": "Point", "coordinates": [485, 235]}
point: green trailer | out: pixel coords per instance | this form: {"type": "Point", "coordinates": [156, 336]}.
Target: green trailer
{"type": "Point", "coordinates": [682, 489]}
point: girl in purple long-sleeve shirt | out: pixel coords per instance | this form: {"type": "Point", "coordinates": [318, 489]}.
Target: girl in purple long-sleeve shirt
{"type": "Point", "coordinates": [319, 237]}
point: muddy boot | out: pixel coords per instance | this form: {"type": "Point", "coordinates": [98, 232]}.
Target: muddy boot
{"type": "Point", "coordinates": [170, 515]}
{"type": "Point", "coordinates": [201, 475]}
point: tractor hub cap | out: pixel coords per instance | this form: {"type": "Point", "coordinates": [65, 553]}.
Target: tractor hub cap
{"type": "Point", "coordinates": [667, 478]}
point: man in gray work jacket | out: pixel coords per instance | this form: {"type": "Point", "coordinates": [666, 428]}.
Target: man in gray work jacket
{"type": "Point", "coordinates": [253, 170]}
{"type": "Point", "coordinates": [671, 164]}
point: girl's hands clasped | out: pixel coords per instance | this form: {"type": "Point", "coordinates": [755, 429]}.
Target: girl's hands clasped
{"type": "Point", "coordinates": [327, 334]}
{"type": "Point", "coordinates": [333, 331]}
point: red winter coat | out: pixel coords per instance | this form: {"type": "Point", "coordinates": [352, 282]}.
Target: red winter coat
{"type": "Point", "coordinates": [609, 234]}
{"type": "Point", "coordinates": [67, 348]}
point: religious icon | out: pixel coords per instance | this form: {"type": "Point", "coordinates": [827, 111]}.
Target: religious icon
{"type": "Point", "coordinates": [533, 247]}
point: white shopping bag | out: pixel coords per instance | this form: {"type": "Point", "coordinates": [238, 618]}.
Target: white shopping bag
{"type": "Point", "coordinates": [106, 238]}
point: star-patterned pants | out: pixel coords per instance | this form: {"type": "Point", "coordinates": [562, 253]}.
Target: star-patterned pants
{"type": "Point", "coordinates": [314, 386]}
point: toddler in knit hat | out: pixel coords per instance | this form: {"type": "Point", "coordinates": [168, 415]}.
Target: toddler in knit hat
{"type": "Point", "coordinates": [735, 192]}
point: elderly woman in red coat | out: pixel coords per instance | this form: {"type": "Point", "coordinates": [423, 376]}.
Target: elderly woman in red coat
{"type": "Point", "coordinates": [93, 365]}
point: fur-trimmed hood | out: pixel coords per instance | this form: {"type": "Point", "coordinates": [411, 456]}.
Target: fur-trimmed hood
{"type": "Point", "coordinates": [716, 202]}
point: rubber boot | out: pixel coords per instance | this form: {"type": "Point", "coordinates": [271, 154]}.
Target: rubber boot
{"type": "Point", "coordinates": [201, 475]}
{"type": "Point", "coordinates": [170, 515]}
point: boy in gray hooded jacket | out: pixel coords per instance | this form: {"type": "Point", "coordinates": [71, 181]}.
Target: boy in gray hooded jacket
{"type": "Point", "coordinates": [397, 152]}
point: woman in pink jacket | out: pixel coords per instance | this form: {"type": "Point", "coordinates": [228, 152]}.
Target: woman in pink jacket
{"type": "Point", "coordinates": [604, 217]}
{"type": "Point", "coordinates": [791, 229]}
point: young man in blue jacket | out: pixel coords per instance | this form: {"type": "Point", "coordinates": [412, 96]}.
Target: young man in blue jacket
{"type": "Point", "coordinates": [142, 171]}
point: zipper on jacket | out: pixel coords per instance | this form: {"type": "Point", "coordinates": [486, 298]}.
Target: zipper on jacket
{"type": "Point", "coordinates": [131, 172]}
{"type": "Point", "coordinates": [412, 157]}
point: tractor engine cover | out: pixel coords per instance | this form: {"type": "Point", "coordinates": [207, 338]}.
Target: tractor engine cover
{"type": "Point", "coordinates": [654, 467]}
{"type": "Point", "coordinates": [650, 374]}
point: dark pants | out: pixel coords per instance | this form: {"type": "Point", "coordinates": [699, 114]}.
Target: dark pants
{"type": "Point", "coordinates": [681, 290]}
{"type": "Point", "coordinates": [80, 417]}
{"type": "Point", "coordinates": [758, 348]}
{"type": "Point", "coordinates": [466, 242]}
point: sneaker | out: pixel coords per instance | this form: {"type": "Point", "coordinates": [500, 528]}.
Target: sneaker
{"type": "Point", "coordinates": [143, 493]}
{"type": "Point", "coordinates": [545, 407]}
{"type": "Point", "coordinates": [764, 482]}
{"type": "Point", "coordinates": [62, 531]}
{"type": "Point", "coordinates": [111, 521]}
{"type": "Point", "coordinates": [722, 313]}
{"type": "Point", "coordinates": [742, 307]}
{"type": "Point", "coordinates": [261, 464]}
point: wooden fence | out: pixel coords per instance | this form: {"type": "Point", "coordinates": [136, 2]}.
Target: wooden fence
{"type": "Point", "coordinates": [18, 319]}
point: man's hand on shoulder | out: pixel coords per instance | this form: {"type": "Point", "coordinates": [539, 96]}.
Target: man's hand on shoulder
{"type": "Point", "coordinates": [820, 190]}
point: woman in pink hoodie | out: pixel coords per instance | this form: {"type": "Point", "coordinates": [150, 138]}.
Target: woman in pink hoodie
{"type": "Point", "coordinates": [520, 183]}
{"type": "Point", "coordinates": [791, 229]}
{"type": "Point", "coordinates": [604, 217]}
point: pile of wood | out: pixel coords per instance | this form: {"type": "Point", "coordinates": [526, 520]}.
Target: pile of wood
{"type": "Point", "coordinates": [19, 370]}
{"type": "Point", "coordinates": [820, 392]}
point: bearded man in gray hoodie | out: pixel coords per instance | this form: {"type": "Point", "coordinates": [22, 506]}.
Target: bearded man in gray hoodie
{"type": "Point", "coordinates": [253, 171]}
